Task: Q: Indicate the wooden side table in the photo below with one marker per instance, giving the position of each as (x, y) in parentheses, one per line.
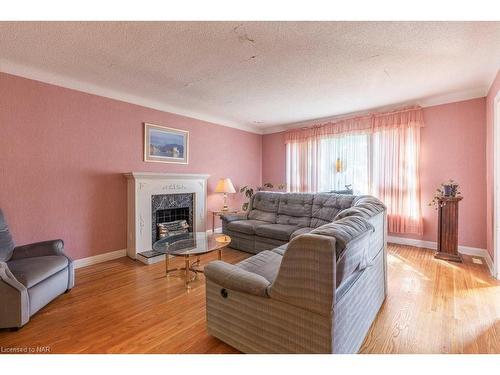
(448, 229)
(219, 214)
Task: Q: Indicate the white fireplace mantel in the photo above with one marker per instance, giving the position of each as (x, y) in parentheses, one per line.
(141, 186)
(164, 176)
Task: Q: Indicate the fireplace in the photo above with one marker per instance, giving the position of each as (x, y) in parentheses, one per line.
(166, 208)
(161, 197)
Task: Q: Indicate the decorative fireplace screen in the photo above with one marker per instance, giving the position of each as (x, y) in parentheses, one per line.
(171, 214)
(172, 221)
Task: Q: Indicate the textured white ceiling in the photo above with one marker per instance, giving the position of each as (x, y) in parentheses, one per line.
(258, 75)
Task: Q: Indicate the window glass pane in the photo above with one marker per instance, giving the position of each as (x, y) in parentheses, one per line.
(342, 161)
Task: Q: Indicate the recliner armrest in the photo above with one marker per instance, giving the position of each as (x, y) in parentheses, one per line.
(39, 249)
(7, 277)
(234, 217)
(14, 300)
(234, 278)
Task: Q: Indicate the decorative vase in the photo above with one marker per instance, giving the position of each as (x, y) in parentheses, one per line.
(449, 190)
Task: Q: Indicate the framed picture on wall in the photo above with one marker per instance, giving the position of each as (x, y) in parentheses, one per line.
(165, 145)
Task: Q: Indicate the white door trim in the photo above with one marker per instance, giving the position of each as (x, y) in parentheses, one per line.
(496, 185)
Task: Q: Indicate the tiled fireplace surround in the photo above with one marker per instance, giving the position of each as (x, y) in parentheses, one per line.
(148, 192)
(174, 202)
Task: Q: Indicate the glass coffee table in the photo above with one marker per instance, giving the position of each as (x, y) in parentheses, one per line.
(190, 245)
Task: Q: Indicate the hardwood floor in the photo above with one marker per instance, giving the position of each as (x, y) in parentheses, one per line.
(122, 306)
(435, 306)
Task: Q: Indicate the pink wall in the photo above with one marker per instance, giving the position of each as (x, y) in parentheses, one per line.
(492, 93)
(63, 152)
(452, 146)
(273, 158)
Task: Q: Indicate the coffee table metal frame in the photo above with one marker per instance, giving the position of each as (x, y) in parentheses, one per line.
(192, 267)
(188, 266)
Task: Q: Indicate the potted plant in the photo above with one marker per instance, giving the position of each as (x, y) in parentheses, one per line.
(447, 189)
(249, 191)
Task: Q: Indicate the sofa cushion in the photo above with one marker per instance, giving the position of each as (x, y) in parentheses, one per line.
(6, 242)
(241, 241)
(268, 217)
(244, 226)
(280, 249)
(344, 230)
(275, 231)
(42, 293)
(364, 206)
(263, 243)
(293, 220)
(326, 206)
(295, 209)
(300, 231)
(266, 264)
(31, 271)
(233, 217)
(264, 206)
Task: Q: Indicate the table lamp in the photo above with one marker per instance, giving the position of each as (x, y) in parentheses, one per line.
(225, 186)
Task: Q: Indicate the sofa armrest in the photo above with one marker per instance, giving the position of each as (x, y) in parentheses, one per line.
(39, 249)
(234, 278)
(14, 301)
(234, 217)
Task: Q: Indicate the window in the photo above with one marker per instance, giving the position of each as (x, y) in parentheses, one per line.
(343, 160)
(376, 154)
(330, 163)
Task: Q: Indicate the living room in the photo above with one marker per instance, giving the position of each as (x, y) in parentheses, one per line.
(252, 186)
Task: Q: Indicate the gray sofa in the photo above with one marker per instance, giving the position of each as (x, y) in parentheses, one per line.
(30, 277)
(316, 283)
(273, 219)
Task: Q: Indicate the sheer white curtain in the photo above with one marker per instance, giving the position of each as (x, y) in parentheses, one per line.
(312, 164)
(396, 177)
(302, 166)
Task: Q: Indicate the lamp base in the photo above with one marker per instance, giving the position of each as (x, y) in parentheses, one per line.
(225, 207)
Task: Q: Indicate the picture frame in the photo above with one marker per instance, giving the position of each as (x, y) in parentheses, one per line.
(163, 144)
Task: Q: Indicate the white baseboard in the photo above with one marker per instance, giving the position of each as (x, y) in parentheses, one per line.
(467, 250)
(84, 262)
(216, 230)
(412, 242)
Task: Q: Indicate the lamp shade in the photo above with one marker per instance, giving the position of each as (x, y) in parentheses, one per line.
(225, 186)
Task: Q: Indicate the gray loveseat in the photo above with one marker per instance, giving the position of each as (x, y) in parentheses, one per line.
(316, 283)
(30, 277)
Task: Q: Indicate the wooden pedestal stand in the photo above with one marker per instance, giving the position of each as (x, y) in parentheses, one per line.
(447, 246)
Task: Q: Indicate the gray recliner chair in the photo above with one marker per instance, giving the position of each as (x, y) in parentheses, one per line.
(30, 277)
